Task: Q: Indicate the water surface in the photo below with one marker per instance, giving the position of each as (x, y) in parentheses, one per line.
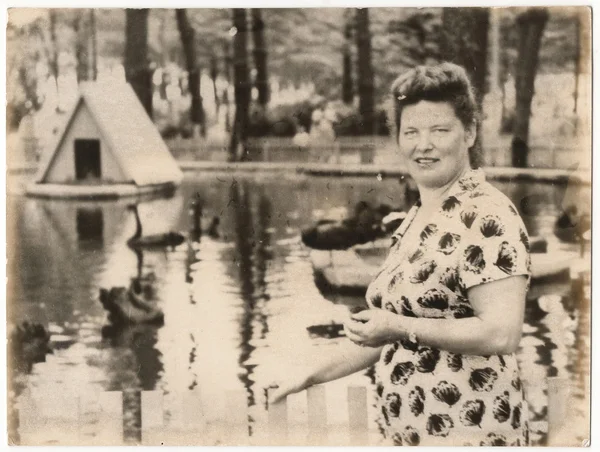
(235, 306)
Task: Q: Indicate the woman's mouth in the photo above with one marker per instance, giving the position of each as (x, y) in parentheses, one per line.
(426, 160)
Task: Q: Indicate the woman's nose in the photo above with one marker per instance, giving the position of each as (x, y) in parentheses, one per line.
(424, 142)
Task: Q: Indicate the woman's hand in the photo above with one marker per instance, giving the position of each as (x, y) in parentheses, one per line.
(291, 384)
(374, 327)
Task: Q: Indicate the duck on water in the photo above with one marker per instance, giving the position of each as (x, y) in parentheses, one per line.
(367, 224)
(127, 306)
(573, 226)
(196, 209)
(138, 240)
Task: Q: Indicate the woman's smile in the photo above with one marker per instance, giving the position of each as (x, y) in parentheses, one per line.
(426, 162)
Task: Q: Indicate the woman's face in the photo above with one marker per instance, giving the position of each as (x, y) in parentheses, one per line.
(434, 143)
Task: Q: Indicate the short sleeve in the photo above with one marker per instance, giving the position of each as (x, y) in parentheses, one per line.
(494, 247)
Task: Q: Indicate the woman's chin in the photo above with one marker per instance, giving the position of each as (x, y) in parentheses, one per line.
(428, 177)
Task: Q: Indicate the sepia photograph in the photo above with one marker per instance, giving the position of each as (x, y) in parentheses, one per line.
(299, 226)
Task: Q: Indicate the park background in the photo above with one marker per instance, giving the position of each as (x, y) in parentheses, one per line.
(228, 91)
(194, 69)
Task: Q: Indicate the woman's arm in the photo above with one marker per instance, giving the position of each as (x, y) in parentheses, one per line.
(346, 359)
(495, 329)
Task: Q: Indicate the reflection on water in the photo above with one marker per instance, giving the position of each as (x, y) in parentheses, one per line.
(90, 227)
(234, 305)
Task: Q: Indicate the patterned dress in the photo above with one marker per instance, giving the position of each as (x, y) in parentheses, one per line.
(429, 396)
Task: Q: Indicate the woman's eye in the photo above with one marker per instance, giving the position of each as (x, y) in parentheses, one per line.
(409, 133)
(440, 130)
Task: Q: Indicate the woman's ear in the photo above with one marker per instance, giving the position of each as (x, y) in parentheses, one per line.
(471, 134)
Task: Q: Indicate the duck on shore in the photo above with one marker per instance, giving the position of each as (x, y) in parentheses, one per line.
(167, 239)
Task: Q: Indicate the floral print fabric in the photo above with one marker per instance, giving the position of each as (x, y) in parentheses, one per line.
(428, 396)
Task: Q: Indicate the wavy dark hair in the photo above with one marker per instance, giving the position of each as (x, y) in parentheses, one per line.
(445, 82)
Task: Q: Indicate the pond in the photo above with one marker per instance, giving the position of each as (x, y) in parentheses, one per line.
(235, 305)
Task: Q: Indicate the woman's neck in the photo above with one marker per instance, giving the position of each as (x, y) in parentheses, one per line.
(431, 198)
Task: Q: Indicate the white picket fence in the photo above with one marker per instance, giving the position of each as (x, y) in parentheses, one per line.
(55, 419)
(52, 420)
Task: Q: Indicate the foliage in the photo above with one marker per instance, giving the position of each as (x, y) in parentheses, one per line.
(349, 122)
(303, 45)
(283, 120)
(416, 37)
(558, 50)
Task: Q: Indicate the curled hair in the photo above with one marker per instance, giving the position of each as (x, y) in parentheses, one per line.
(445, 82)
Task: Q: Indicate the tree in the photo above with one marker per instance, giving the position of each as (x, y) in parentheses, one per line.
(214, 73)
(26, 48)
(417, 37)
(53, 54)
(188, 36)
(137, 70)
(530, 26)
(260, 57)
(582, 60)
(241, 83)
(94, 38)
(464, 41)
(228, 63)
(347, 82)
(366, 83)
(80, 27)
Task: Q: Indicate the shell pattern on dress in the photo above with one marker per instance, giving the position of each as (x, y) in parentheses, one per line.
(429, 396)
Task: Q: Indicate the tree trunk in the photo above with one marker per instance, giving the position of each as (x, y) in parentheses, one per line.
(583, 60)
(227, 74)
(366, 84)
(495, 20)
(530, 25)
(94, 39)
(162, 38)
(347, 83)
(81, 43)
(187, 34)
(53, 60)
(465, 42)
(137, 70)
(241, 81)
(506, 116)
(260, 57)
(214, 73)
(163, 58)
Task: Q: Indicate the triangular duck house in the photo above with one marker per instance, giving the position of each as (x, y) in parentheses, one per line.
(109, 147)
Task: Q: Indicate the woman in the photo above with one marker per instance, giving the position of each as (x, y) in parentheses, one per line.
(446, 309)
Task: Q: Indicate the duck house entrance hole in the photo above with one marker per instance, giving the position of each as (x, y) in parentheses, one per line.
(87, 159)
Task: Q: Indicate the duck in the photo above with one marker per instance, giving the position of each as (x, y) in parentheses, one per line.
(212, 230)
(127, 306)
(168, 239)
(329, 331)
(573, 226)
(28, 345)
(364, 226)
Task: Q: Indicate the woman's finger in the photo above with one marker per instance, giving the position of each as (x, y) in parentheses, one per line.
(354, 337)
(362, 316)
(276, 396)
(354, 327)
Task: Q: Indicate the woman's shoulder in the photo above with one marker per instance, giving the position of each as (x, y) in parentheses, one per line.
(486, 198)
(487, 210)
